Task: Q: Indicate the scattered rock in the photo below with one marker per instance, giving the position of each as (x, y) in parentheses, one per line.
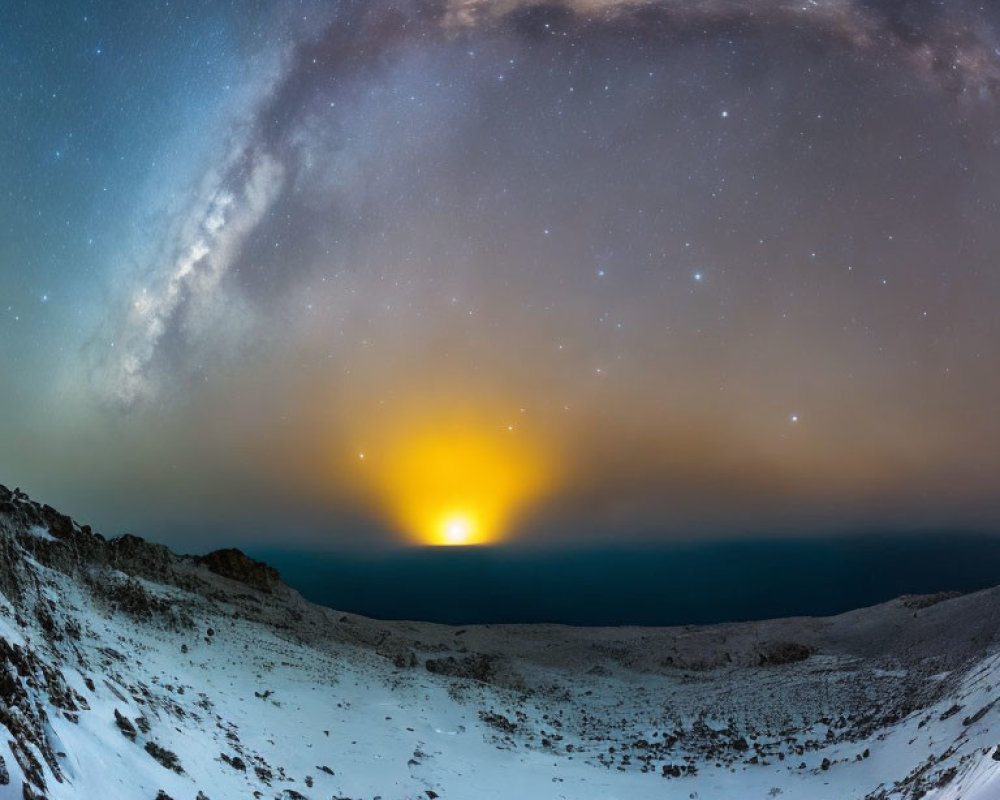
(127, 728)
(778, 653)
(166, 758)
(479, 667)
(498, 721)
(234, 761)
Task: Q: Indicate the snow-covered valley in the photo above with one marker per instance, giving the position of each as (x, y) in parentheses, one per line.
(130, 672)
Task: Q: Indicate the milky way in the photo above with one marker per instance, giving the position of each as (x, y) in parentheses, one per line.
(729, 265)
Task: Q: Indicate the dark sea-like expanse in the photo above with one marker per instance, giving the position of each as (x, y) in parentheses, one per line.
(641, 585)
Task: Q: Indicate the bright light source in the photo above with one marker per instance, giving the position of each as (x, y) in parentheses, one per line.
(456, 483)
(457, 529)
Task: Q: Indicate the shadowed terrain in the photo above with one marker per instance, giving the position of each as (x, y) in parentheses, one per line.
(129, 671)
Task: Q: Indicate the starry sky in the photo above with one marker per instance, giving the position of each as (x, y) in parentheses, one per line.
(670, 268)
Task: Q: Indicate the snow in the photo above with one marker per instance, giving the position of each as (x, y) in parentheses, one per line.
(41, 533)
(286, 699)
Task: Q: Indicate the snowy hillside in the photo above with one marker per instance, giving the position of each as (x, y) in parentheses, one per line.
(129, 672)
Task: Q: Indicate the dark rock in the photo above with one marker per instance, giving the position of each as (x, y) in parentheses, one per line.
(236, 565)
(135, 556)
(235, 762)
(777, 653)
(479, 667)
(498, 721)
(27, 793)
(30, 766)
(127, 728)
(920, 601)
(59, 525)
(131, 597)
(978, 715)
(400, 656)
(165, 757)
(946, 777)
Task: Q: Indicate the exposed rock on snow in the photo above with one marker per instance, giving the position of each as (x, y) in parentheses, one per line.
(129, 672)
(232, 563)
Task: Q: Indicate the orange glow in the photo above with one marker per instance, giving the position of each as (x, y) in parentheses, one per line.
(455, 483)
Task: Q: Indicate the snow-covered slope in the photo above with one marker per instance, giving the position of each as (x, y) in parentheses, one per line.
(129, 672)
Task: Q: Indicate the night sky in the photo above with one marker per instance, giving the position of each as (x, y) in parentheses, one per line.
(381, 272)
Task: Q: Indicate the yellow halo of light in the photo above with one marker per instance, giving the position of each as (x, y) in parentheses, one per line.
(455, 484)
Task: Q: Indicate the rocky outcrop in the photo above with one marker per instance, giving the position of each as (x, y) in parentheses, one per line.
(74, 550)
(136, 556)
(31, 687)
(236, 565)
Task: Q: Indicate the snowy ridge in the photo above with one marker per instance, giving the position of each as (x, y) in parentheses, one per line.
(129, 672)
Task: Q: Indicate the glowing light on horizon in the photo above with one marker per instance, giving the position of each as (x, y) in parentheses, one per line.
(451, 484)
(457, 529)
